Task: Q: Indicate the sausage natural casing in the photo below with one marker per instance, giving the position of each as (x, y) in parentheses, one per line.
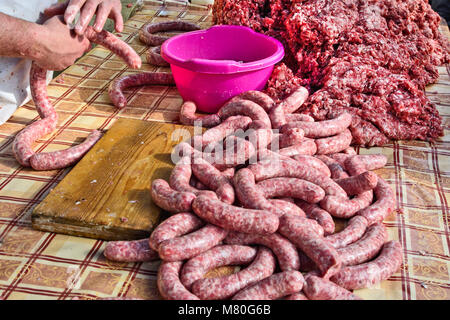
(321, 289)
(222, 255)
(283, 249)
(322, 129)
(274, 287)
(367, 274)
(171, 200)
(169, 284)
(191, 244)
(148, 36)
(292, 188)
(188, 116)
(226, 286)
(354, 230)
(174, 226)
(383, 206)
(235, 218)
(130, 251)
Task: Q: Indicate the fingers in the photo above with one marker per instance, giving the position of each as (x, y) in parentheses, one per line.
(56, 9)
(116, 15)
(86, 15)
(102, 14)
(73, 8)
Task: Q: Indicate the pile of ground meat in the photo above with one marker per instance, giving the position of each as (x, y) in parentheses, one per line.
(372, 58)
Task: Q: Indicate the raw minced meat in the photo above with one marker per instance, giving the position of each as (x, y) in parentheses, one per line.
(372, 58)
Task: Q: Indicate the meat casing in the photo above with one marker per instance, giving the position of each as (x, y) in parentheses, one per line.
(367, 274)
(191, 244)
(171, 200)
(245, 108)
(225, 287)
(147, 33)
(188, 116)
(359, 183)
(300, 231)
(283, 249)
(353, 231)
(322, 129)
(130, 251)
(274, 287)
(321, 289)
(335, 143)
(169, 284)
(222, 255)
(174, 226)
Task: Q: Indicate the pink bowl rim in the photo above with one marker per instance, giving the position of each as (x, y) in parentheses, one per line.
(223, 66)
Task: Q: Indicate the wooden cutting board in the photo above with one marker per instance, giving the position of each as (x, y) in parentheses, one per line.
(107, 194)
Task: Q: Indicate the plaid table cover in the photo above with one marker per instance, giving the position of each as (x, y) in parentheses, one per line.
(40, 265)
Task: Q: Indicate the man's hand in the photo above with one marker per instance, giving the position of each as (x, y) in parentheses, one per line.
(57, 46)
(103, 9)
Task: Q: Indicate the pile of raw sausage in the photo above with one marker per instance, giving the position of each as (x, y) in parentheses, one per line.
(22, 144)
(260, 189)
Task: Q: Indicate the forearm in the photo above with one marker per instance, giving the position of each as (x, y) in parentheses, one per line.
(19, 38)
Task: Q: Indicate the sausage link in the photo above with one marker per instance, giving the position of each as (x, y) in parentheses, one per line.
(289, 105)
(226, 286)
(295, 169)
(291, 187)
(321, 129)
(292, 117)
(115, 45)
(191, 244)
(336, 170)
(291, 137)
(352, 232)
(235, 218)
(340, 207)
(335, 143)
(283, 249)
(168, 199)
(321, 289)
(188, 116)
(314, 162)
(222, 255)
(383, 206)
(147, 33)
(358, 184)
(181, 175)
(248, 194)
(237, 151)
(260, 138)
(274, 287)
(358, 164)
(169, 284)
(154, 57)
(213, 179)
(64, 158)
(177, 225)
(283, 207)
(302, 232)
(219, 132)
(370, 273)
(130, 251)
(116, 87)
(323, 218)
(307, 147)
(245, 108)
(258, 97)
(365, 248)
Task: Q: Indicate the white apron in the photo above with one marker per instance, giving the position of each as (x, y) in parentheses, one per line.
(15, 72)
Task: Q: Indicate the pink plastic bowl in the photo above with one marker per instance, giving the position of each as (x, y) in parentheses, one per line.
(212, 66)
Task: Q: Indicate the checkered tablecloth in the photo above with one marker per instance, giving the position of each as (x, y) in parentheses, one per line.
(39, 265)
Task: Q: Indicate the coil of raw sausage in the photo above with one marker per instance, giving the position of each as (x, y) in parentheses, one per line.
(289, 105)
(321, 129)
(181, 175)
(306, 147)
(302, 232)
(154, 57)
(354, 230)
(225, 287)
(359, 183)
(147, 33)
(274, 287)
(365, 248)
(335, 143)
(188, 116)
(191, 244)
(258, 97)
(283, 207)
(358, 164)
(171, 200)
(244, 108)
(177, 225)
(367, 274)
(317, 288)
(222, 255)
(292, 117)
(235, 218)
(323, 218)
(169, 284)
(291, 137)
(341, 207)
(292, 188)
(315, 162)
(130, 251)
(116, 87)
(336, 170)
(283, 249)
